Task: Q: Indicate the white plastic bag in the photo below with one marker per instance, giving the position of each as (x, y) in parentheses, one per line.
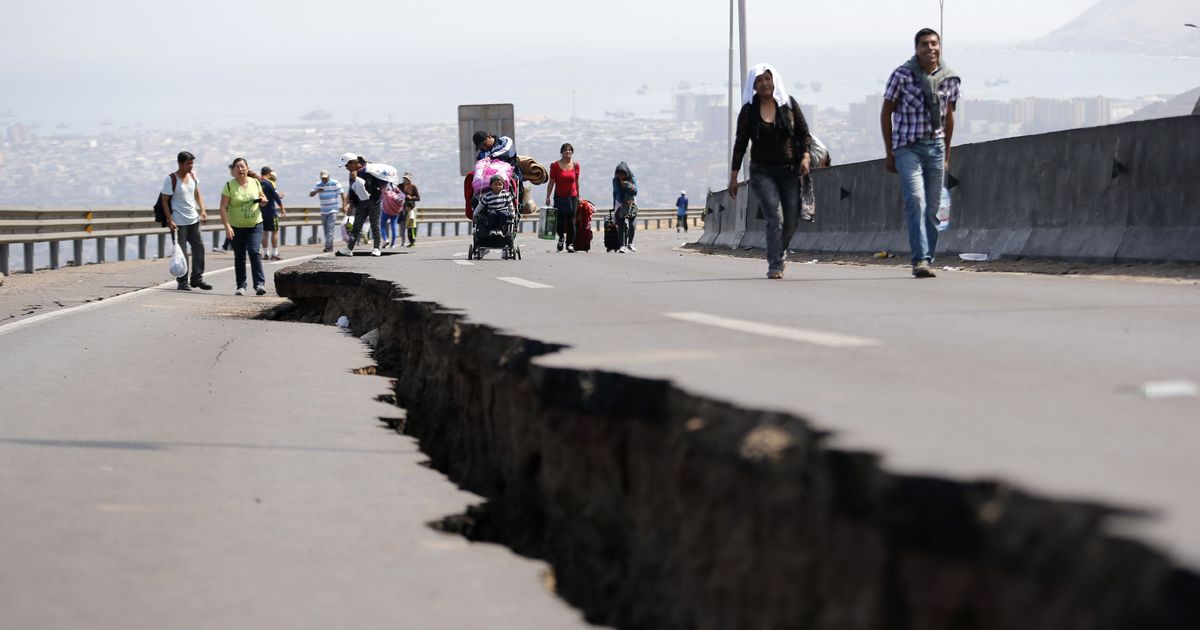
(179, 262)
(943, 213)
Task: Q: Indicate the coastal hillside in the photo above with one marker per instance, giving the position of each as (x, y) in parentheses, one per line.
(1149, 27)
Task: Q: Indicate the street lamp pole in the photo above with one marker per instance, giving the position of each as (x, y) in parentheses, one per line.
(942, 21)
(729, 116)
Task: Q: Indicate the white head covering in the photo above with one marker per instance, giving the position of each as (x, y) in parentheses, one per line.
(781, 95)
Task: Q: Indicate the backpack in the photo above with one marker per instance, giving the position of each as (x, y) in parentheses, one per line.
(393, 201)
(160, 213)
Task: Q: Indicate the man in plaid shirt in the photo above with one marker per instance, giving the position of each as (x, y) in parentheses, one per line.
(918, 123)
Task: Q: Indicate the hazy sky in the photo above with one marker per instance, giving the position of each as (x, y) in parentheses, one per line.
(215, 63)
(124, 30)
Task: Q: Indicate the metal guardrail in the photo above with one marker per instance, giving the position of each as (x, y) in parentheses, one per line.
(27, 227)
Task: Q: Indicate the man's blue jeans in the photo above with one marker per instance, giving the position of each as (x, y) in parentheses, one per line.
(922, 168)
(329, 223)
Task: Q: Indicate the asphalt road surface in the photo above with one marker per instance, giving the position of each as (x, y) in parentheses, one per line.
(165, 461)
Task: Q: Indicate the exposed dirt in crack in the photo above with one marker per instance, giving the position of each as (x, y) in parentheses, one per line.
(658, 508)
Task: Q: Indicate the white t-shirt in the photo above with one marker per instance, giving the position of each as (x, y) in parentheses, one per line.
(184, 210)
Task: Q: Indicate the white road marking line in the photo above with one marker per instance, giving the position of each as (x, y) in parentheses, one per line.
(1156, 390)
(459, 254)
(815, 337)
(37, 319)
(528, 284)
(465, 263)
(294, 260)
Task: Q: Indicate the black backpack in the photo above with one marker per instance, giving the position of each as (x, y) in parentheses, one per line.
(160, 213)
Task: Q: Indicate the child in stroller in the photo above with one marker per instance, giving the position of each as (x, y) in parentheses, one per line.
(495, 221)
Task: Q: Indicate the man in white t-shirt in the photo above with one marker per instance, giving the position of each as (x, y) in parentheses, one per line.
(332, 198)
(181, 193)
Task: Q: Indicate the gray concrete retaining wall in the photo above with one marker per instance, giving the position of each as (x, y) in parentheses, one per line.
(1126, 192)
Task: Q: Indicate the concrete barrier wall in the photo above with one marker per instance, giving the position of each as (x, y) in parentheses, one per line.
(1127, 192)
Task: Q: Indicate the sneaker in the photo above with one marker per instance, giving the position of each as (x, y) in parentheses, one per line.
(345, 252)
(631, 247)
(570, 249)
(775, 275)
(202, 285)
(275, 257)
(412, 244)
(326, 250)
(182, 286)
(620, 250)
(240, 291)
(260, 290)
(922, 270)
(376, 252)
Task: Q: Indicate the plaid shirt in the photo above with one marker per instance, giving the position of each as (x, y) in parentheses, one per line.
(910, 120)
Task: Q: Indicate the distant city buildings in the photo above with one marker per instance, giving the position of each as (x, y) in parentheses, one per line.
(688, 151)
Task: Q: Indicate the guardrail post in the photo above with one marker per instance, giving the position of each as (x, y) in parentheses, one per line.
(312, 240)
(4, 259)
(282, 236)
(28, 247)
(456, 227)
(216, 239)
(142, 246)
(100, 253)
(162, 245)
(77, 252)
(54, 262)
(121, 248)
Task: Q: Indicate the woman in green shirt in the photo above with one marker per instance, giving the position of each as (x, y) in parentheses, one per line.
(241, 211)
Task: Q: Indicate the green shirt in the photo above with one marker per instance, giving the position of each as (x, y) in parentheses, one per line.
(244, 211)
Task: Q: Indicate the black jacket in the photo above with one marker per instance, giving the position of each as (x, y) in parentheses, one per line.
(780, 144)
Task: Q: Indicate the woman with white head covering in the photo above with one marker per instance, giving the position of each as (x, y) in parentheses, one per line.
(779, 157)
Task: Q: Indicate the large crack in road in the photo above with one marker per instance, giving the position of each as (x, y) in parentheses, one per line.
(658, 508)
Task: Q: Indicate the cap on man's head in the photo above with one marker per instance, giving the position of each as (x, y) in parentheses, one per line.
(324, 173)
(347, 158)
(682, 192)
(265, 170)
(408, 176)
(479, 137)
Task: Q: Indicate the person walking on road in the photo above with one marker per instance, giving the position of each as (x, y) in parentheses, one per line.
(411, 196)
(242, 200)
(917, 121)
(625, 208)
(779, 158)
(332, 198)
(564, 180)
(271, 213)
(681, 208)
(366, 195)
(181, 194)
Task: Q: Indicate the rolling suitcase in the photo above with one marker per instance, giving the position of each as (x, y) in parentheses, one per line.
(612, 238)
(583, 226)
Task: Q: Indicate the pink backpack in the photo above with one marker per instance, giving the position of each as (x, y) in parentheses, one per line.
(393, 201)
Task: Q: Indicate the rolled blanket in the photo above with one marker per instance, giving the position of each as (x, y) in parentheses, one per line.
(532, 171)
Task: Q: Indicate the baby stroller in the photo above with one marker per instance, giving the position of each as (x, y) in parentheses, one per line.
(495, 236)
(485, 237)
